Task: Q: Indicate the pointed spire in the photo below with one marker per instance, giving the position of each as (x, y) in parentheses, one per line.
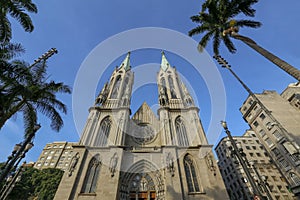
(126, 63)
(164, 62)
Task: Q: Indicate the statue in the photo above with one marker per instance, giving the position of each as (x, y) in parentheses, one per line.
(170, 164)
(73, 163)
(102, 96)
(162, 96)
(113, 164)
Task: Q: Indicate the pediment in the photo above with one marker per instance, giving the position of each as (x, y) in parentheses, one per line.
(144, 115)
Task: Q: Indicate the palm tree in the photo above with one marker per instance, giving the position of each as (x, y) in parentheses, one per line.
(31, 93)
(217, 21)
(25, 88)
(16, 9)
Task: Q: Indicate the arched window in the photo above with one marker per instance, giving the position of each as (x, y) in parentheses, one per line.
(91, 177)
(295, 178)
(102, 136)
(172, 88)
(116, 88)
(163, 82)
(190, 173)
(181, 132)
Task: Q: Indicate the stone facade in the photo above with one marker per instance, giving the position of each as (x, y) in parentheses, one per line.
(144, 156)
(235, 179)
(276, 122)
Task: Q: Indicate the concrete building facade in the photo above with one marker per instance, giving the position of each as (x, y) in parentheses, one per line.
(56, 155)
(276, 122)
(143, 156)
(235, 179)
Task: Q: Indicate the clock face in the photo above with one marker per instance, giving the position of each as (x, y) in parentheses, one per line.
(143, 134)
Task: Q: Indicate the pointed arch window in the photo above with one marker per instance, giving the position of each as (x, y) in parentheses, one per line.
(92, 174)
(104, 130)
(116, 88)
(295, 178)
(163, 82)
(172, 88)
(181, 132)
(190, 173)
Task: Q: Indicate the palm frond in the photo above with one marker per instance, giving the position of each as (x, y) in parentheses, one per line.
(50, 112)
(228, 43)
(28, 5)
(5, 29)
(204, 40)
(248, 23)
(10, 50)
(29, 118)
(216, 43)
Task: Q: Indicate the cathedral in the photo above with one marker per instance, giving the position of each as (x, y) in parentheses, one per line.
(144, 156)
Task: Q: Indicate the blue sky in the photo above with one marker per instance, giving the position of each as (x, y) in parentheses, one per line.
(76, 27)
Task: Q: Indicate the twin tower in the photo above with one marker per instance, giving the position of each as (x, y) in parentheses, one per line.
(143, 157)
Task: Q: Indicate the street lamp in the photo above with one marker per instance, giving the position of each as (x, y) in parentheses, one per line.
(26, 145)
(11, 182)
(262, 180)
(237, 151)
(15, 150)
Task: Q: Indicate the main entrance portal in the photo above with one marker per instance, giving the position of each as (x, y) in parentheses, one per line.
(149, 195)
(142, 181)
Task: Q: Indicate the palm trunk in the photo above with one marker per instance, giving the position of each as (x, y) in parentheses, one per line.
(10, 113)
(291, 70)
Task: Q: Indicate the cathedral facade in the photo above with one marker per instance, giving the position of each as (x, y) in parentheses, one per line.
(143, 156)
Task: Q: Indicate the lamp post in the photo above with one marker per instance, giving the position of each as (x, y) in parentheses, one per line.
(237, 152)
(14, 151)
(11, 182)
(262, 180)
(274, 121)
(26, 145)
(225, 64)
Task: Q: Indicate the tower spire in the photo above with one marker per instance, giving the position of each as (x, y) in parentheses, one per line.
(126, 63)
(164, 62)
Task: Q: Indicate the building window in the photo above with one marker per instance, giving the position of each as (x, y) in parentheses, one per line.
(295, 178)
(250, 102)
(262, 116)
(255, 123)
(258, 154)
(275, 152)
(191, 176)
(277, 135)
(92, 174)
(269, 125)
(116, 88)
(284, 164)
(102, 136)
(269, 142)
(172, 88)
(181, 132)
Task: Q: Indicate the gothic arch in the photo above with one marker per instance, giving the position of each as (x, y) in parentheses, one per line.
(92, 175)
(103, 132)
(181, 133)
(141, 176)
(191, 174)
(172, 87)
(116, 88)
(295, 178)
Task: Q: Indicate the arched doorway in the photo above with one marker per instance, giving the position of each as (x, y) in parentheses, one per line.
(142, 181)
(142, 187)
